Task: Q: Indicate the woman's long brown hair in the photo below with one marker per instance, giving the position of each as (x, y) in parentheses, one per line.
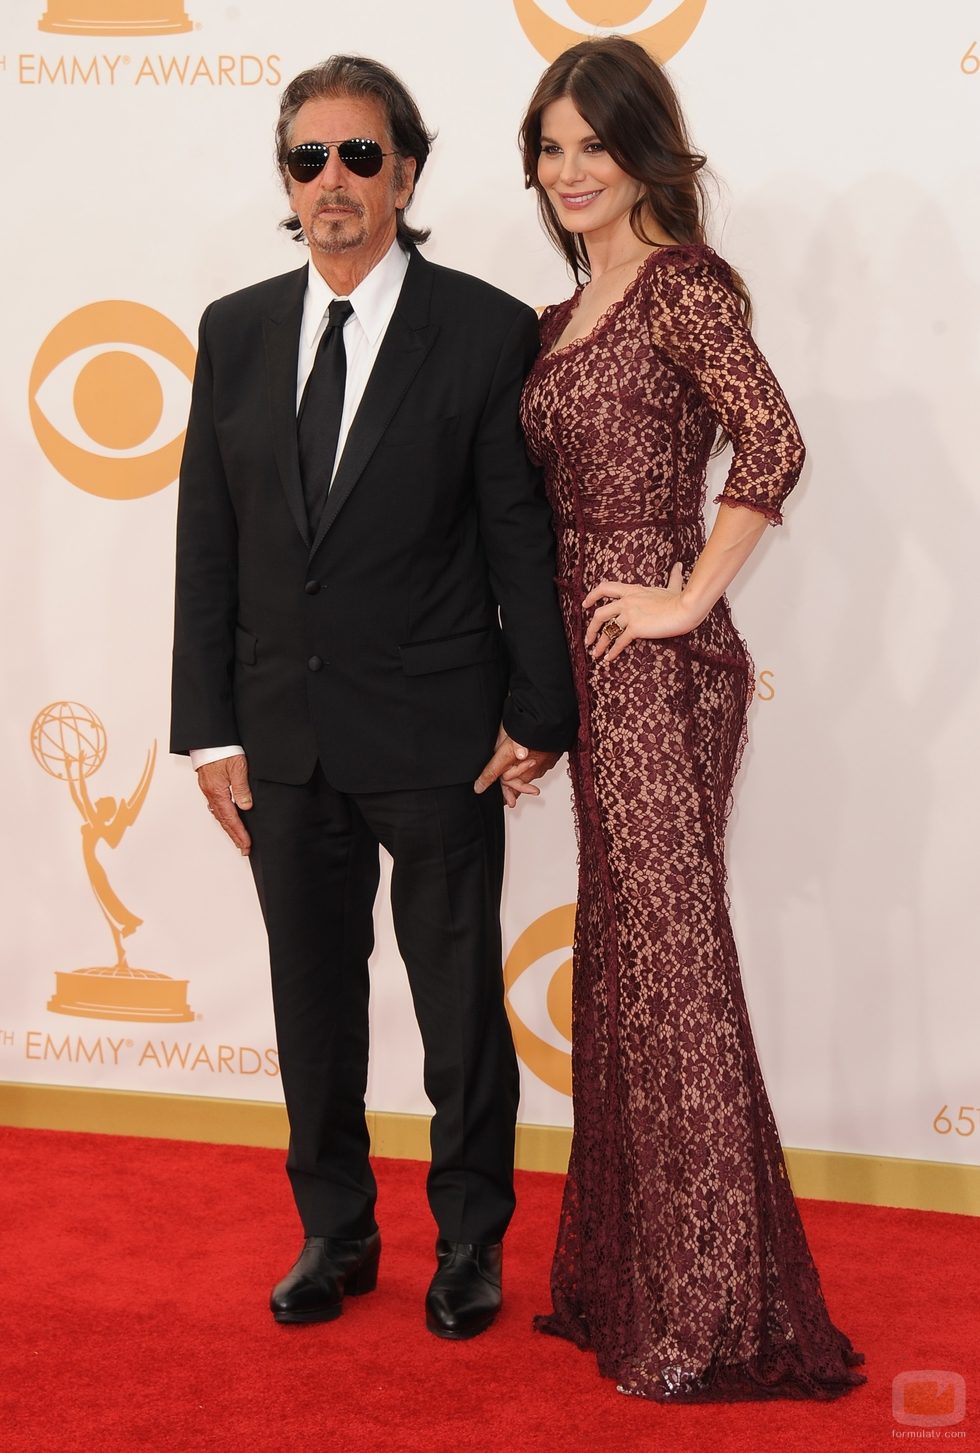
(625, 96)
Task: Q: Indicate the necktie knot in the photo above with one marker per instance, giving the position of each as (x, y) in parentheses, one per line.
(338, 312)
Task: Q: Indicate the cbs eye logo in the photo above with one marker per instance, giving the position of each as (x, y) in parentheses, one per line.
(108, 398)
(663, 38)
(538, 987)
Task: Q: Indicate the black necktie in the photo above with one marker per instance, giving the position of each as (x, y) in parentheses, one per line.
(320, 413)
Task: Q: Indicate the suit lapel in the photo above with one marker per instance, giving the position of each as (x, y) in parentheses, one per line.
(408, 339)
(281, 330)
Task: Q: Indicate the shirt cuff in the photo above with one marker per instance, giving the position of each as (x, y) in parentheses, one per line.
(200, 756)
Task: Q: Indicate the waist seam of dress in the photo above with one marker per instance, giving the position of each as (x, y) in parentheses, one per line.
(599, 527)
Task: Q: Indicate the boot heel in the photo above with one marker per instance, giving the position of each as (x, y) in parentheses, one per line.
(365, 1278)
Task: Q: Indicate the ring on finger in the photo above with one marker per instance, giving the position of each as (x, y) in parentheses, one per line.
(613, 629)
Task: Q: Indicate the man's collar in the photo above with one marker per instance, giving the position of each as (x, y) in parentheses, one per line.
(373, 299)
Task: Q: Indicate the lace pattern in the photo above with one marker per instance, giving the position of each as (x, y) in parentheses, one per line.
(681, 1259)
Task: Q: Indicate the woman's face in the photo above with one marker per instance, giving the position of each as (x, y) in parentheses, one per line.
(590, 193)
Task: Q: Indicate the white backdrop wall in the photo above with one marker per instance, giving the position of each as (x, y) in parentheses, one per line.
(137, 170)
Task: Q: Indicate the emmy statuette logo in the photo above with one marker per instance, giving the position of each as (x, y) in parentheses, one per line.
(547, 937)
(663, 38)
(112, 371)
(69, 742)
(115, 17)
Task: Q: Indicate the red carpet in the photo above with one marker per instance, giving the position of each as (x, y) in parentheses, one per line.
(134, 1317)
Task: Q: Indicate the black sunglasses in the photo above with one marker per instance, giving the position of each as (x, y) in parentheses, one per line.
(359, 155)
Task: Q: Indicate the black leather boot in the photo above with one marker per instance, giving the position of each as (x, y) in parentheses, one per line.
(464, 1295)
(328, 1269)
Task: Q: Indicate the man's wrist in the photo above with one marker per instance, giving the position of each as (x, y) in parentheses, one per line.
(201, 756)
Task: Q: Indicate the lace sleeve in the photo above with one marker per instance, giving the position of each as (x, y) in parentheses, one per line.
(697, 321)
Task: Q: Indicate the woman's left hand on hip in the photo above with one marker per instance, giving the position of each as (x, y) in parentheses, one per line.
(634, 612)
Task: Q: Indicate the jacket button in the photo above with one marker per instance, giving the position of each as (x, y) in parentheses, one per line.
(312, 587)
(314, 663)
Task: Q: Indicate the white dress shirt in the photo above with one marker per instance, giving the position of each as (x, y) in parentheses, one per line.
(373, 301)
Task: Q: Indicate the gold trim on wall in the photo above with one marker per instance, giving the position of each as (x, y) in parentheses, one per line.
(870, 1180)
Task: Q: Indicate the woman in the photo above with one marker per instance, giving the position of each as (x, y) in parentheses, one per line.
(681, 1258)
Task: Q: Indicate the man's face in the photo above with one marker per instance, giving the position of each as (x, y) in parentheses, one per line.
(341, 212)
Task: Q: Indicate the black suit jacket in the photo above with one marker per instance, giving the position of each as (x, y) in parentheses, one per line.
(378, 645)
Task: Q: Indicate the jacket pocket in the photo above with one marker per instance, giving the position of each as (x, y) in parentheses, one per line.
(419, 658)
(245, 646)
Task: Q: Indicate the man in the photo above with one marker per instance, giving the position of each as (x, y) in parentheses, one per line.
(366, 622)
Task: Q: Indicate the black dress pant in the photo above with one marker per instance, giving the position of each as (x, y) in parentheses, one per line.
(315, 861)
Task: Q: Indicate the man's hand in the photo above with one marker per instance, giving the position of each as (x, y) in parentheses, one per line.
(225, 785)
(516, 767)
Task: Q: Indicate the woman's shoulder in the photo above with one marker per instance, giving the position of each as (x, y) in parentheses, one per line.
(551, 310)
(551, 319)
(688, 277)
(684, 264)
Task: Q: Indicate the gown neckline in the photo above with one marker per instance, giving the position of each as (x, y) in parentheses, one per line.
(570, 304)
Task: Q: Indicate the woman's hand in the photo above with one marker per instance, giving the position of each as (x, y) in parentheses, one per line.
(643, 613)
(649, 613)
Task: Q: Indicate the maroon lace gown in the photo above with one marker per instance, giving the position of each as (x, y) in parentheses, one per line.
(681, 1259)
